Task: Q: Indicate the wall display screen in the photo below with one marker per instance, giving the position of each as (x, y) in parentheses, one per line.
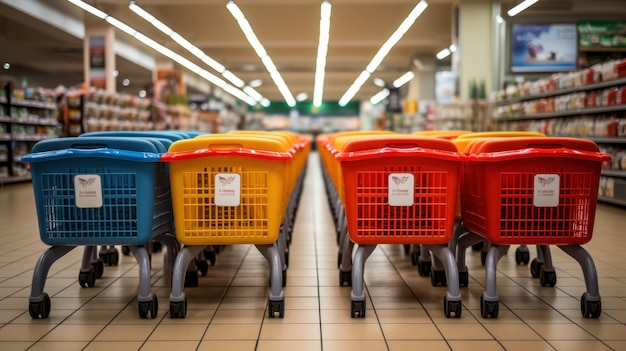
(543, 47)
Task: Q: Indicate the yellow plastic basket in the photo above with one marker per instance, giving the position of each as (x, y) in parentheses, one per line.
(228, 189)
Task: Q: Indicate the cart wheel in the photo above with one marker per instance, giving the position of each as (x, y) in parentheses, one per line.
(547, 278)
(590, 309)
(178, 309)
(438, 278)
(191, 279)
(407, 249)
(114, 258)
(463, 279)
(488, 308)
(357, 309)
(98, 267)
(345, 278)
(535, 267)
(274, 307)
(87, 279)
(203, 267)
(450, 307)
(105, 257)
(149, 308)
(211, 256)
(414, 256)
(423, 268)
(40, 309)
(125, 250)
(522, 257)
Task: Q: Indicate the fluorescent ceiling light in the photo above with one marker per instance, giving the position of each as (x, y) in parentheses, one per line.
(255, 83)
(379, 82)
(238, 82)
(322, 50)
(443, 54)
(384, 50)
(260, 51)
(521, 7)
(405, 78)
(167, 52)
(402, 80)
(302, 96)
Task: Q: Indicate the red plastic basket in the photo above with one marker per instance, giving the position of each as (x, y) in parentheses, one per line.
(379, 175)
(542, 191)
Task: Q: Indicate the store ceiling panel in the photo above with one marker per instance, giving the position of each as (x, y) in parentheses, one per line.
(288, 29)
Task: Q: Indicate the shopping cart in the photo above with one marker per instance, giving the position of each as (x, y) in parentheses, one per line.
(399, 189)
(533, 191)
(230, 189)
(99, 191)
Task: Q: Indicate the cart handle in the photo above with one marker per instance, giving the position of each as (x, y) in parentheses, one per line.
(233, 152)
(533, 152)
(509, 144)
(414, 151)
(94, 152)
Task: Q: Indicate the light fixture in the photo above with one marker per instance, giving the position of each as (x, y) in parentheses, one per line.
(379, 82)
(383, 51)
(446, 52)
(6, 65)
(167, 52)
(400, 81)
(238, 82)
(302, 96)
(126, 82)
(521, 7)
(322, 50)
(255, 83)
(260, 51)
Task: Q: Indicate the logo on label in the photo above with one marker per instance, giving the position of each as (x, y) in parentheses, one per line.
(85, 182)
(400, 190)
(545, 181)
(226, 180)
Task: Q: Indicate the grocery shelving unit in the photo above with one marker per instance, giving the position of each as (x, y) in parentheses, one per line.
(510, 115)
(24, 122)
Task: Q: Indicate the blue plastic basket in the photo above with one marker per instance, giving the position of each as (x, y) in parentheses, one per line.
(133, 200)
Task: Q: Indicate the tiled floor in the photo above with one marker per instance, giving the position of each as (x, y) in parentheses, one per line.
(227, 310)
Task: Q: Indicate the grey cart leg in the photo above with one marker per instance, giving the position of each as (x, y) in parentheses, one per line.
(38, 301)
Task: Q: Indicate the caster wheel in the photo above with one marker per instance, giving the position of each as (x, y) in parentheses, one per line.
(191, 279)
(535, 267)
(87, 279)
(178, 309)
(104, 257)
(40, 309)
(274, 307)
(407, 249)
(589, 309)
(114, 258)
(414, 257)
(438, 278)
(423, 268)
(463, 279)
(357, 309)
(149, 308)
(211, 256)
(125, 250)
(450, 307)
(489, 309)
(522, 257)
(203, 267)
(547, 278)
(98, 267)
(345, 278)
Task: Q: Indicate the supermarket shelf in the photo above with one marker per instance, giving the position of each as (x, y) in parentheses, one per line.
(614, 173)
(32, 137)
(15, 179)
(5, 137)
(607, 140)
(587, 87)
(4, 118)
(30, 103)
(612, 200)
(590, 111)
(49, 122)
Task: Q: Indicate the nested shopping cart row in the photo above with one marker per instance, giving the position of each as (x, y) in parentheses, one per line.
(182, 189)
(513, 189)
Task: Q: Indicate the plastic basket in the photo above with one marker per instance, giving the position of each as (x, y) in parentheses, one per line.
(99, 191)
(400, 189)
(538, 191)
(227, 189)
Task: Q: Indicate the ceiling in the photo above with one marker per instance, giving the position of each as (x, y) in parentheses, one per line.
(288, 29)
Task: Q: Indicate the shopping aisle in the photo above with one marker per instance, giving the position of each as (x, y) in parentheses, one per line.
(227, 311)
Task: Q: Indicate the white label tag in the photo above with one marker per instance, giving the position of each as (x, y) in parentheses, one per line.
(546, 190)
(400, 190)
(227, 189)
(88, 189)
